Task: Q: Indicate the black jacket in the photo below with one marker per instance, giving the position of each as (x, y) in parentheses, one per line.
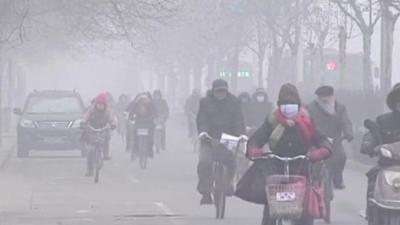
(220, 116)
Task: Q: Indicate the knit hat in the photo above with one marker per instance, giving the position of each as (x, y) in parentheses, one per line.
(289, 95)
(393, 97)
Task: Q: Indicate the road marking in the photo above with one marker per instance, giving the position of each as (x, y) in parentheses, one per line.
(82, 211)
(167, 211)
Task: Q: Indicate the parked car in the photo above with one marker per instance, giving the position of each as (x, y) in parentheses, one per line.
(50, 120)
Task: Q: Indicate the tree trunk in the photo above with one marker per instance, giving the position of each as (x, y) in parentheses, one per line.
(368, 86)
(342, 56)
(387, 34)
(235, 69)
(197, 75)
(260, 76)
(211, 69)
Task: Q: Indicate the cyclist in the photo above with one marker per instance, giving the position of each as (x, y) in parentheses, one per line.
(162, 110)
(143, 113)
(219, 112)
(332, 120)
(98, 117)
(191, 109)
(289, 132)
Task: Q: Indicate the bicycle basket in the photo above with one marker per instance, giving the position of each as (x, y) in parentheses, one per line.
(285, 196)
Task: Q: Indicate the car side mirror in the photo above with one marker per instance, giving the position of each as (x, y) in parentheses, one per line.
(17, 111)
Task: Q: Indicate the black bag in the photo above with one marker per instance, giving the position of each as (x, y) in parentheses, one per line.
(252, 186)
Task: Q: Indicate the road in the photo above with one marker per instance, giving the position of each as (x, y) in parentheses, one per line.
(50, 189)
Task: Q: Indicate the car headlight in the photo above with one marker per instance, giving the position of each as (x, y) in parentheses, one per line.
(386, 153)
(76, 124)
(26, 123)
(392, 178)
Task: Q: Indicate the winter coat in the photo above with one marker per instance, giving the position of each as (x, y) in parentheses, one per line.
(192, 105)
(260, 110)
(220, 116)
(291, 143)
(99, 119)
(162, 108)
(246, 108)
(335, 125)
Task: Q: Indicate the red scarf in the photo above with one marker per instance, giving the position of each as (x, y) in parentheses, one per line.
(304, 122)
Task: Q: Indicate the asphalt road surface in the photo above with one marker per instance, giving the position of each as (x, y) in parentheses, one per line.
(50, 188)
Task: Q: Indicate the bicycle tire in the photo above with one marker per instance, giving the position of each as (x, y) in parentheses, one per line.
(219, 191)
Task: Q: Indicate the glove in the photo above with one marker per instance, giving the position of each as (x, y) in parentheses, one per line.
(243, 138)
(318, 154)
(203, 135)
(349, 137)
(255, 152)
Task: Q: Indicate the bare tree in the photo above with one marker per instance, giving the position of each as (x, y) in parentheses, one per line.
(365, 15)
(390, 14)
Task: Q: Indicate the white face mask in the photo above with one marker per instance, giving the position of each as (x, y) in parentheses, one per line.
(260, 98)
(289, 110)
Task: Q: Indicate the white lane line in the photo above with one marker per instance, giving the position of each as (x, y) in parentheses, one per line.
(82, 211)
(167, 211)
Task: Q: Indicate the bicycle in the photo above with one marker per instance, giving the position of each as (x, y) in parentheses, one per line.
(158, 136)
(142, 143)
(97, 140)
(221, 180)
(286, 193)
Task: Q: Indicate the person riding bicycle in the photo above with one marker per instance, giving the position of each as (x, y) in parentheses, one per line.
(289, 132)
(389, 132)
(331, 118)
(191, 109)
(219, 112)
(261, 107)
(120, 107)
(246, 105)
(162, 109)
(99, 116)
(143, 113)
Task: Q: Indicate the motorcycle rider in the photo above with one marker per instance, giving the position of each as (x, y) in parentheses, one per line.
(162, 109)
(289, 132)
(331, 119)
(191, 110)
(98, 117)
(219, 112)
(143, 113)
(389, 132)
(261, 107)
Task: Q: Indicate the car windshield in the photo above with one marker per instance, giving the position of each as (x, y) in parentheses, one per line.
(53, 105)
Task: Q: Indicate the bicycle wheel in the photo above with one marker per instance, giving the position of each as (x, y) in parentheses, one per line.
(142, 153)
(97, 165)
(219, 191)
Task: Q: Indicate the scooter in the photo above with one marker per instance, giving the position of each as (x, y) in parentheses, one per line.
(384, 206)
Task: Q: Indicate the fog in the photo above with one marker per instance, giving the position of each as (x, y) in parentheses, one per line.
(177, 112)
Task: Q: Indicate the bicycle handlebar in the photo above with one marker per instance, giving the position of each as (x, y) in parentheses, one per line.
(284, 159)
(100, 129)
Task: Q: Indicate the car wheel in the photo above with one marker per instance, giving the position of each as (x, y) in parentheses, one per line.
(22, 151)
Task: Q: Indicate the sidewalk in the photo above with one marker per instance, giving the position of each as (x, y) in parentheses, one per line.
(7, 148)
